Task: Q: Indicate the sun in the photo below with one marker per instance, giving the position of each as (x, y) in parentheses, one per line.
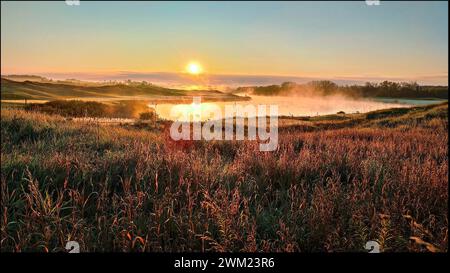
(194, 68)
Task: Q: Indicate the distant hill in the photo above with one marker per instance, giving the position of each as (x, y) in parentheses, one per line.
(22, 78)
(15, 90)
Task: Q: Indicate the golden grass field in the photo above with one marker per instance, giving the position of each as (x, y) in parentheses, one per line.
(333, 184)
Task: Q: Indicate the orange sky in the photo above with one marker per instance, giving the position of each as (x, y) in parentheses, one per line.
(327, 40)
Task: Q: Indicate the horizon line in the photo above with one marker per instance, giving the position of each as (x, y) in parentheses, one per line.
(120, 75)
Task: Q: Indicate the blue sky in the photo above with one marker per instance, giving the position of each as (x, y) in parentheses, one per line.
(305, 39)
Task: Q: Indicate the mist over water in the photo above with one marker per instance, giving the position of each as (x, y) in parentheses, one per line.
(291, 105)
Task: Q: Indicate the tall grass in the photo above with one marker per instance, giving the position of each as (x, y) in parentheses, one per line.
(129, 189)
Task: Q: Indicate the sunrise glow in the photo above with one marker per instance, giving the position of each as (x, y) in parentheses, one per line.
(194, 68)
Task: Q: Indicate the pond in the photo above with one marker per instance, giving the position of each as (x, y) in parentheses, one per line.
(287, 106)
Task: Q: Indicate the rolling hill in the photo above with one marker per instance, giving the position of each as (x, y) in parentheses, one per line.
(14, 90)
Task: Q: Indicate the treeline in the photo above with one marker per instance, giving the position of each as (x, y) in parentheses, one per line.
(384, 89)
(75, 108)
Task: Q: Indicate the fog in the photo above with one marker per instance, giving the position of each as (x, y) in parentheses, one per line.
(287, 106)
(322, 105)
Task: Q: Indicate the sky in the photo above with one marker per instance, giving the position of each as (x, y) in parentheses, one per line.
(329, 40)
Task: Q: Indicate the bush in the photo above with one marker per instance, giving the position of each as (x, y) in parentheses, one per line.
(75, 108)
(147, 116)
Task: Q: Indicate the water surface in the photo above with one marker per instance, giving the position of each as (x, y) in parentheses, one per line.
(287, 106)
